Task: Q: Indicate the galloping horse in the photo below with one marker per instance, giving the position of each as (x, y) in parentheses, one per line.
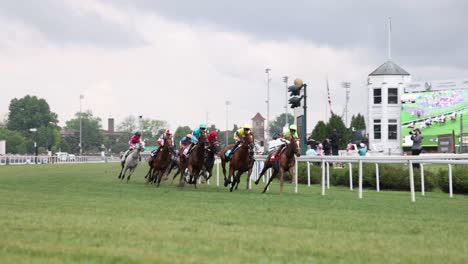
(240, 161)
(210, 159)
(195, 161)
(131, 162)
(160, 164)
(286, 162)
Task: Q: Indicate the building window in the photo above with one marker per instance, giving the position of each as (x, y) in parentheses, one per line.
(392, 95)
(377, 129)
(377, 96)
(392, 129)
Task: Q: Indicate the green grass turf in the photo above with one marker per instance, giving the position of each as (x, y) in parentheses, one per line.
(82, 213)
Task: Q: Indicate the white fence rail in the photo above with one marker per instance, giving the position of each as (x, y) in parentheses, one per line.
(447, 159)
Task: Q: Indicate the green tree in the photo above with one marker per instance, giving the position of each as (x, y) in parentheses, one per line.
(15, 141)
(151, 129)
(29, 112)
(275, 128)
(92, 138)
(320, 131)
(358, 122)
(129, 124)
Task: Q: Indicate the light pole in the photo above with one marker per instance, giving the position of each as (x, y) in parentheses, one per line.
(81, 125)
(140, 126)
(227, 124)
(267, 71)
(285, 80)
(346, 85)
(35, 143)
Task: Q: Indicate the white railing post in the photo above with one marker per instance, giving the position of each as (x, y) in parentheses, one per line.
(350, 176)
(422, 179)
(217, 174)
(377, 177)
(360, 179)
(328, 175)
(411, 178)
(308, 173)
(323, 177)
(450, 180)
(296, 177)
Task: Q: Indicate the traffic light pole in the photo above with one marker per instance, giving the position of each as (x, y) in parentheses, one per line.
(304, 123)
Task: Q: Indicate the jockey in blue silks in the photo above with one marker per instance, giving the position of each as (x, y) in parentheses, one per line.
(196, 134)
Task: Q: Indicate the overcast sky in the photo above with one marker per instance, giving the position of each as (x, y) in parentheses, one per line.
(180, 61)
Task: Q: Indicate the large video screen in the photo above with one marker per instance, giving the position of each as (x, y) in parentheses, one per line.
(434, 113)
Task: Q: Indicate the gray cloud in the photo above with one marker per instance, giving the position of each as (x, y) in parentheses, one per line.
(58, 22)
(424, 32)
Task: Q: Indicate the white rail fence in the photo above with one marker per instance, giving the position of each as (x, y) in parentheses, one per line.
(447, 159)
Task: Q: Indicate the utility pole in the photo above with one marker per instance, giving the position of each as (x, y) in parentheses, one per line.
(81, 129)
(267, 138)
(285, 80)
(346, 85)
(227, 124)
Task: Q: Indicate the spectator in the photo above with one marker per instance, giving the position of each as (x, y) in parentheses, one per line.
(319, 149)
(362, 149)
(335, 142)
(327, 148)
(310, 151)
(416, 148)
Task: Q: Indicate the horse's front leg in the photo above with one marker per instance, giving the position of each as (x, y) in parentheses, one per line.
(223, 165)
(130, 173)
(123, 175)
(159, 177)
(266, 166)
(292, 172)
(275, 172)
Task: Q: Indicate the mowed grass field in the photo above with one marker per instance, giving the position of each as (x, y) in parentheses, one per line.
(82, 213)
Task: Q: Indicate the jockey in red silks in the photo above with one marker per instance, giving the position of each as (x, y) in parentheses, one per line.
(212, 137)
(136, 138)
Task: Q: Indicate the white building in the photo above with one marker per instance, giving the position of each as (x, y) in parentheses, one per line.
(385, 86)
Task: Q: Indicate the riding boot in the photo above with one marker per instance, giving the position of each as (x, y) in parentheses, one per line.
(233, 149)
(187, 153)
(278, 152)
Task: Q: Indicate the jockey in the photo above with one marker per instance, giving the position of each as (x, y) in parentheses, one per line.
(239, 136)
(136, 138)
(196, 134)
(185, 141)
(212, 137)
(166, 134)
(288, 135)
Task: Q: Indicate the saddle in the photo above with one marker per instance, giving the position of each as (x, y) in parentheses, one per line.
(228, 154)
(275, 155)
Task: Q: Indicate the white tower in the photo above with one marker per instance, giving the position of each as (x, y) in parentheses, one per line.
(385, 86)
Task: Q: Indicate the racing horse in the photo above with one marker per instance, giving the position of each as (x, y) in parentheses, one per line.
(212, 150)
(160, 164)
(131, 162)
(286, 162)
(195, 162)
(240, 162)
